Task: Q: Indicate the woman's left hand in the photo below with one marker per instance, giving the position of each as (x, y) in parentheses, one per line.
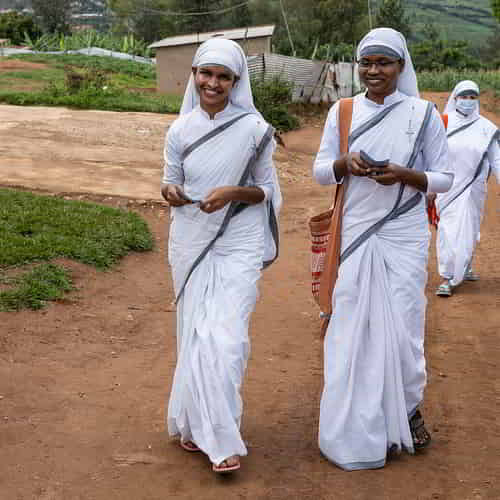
(387, 175)
(216, 199)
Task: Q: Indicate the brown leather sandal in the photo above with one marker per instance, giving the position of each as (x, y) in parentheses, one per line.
(420, 435)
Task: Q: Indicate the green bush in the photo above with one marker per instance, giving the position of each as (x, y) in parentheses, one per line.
(91, 78)
(14, 25)
(272, 98)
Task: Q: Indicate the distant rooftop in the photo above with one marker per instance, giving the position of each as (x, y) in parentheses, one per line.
(235, 34)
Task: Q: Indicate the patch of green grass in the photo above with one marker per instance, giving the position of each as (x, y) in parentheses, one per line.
(36, 228)
(109, 64)
(40, 74)
(114, 100)
(123, 93)
(33, 289)
(7, 84)
(125, 80)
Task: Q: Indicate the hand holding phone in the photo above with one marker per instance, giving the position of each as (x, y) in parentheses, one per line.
(375, 164)
(185, 197)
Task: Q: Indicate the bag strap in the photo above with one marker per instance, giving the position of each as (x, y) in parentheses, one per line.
(444, 117)
(344, 125)
(345, 120)
(332, 256)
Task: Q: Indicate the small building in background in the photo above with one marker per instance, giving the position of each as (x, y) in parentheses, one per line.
(174, 55)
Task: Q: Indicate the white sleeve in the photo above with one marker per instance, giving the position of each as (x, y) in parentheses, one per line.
(262, 172)
(435, 150)
(173, 172)
(494, 156)
(329, 150)
(439, 182)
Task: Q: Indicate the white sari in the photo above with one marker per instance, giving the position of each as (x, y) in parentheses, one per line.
(214, 309)
(474, 150)
(374, 346)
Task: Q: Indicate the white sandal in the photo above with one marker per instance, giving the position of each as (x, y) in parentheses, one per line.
(444, 290)
(471, 276)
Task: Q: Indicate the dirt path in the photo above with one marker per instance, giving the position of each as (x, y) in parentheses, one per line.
(84, 382)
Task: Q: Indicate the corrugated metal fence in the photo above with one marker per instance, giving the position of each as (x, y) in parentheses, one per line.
(313, 81)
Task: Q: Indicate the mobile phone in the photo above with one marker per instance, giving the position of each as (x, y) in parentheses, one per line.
(373, 163)
(184, 196)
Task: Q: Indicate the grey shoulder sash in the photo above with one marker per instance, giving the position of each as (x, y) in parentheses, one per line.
(234, 208)
(477, 172)
(216, 131)
(460, 129)
(397, 209)
(375, 120)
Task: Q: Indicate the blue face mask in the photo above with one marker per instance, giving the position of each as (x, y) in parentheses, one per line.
(467, 106)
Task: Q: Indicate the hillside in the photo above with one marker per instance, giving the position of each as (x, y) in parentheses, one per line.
(470, 20)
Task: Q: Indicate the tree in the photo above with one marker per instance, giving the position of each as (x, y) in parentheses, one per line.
(434, 53)
(13, 25)
(491, 50)
(341, 20)
(240, 17)
(198, 23)
(495, 7)
(146, 19)
(391, 14)
(53, 15)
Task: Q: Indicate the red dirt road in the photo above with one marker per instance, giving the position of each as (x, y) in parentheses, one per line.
(83, 383)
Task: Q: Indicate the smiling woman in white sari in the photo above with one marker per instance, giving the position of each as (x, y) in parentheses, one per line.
(474, 153)
(374, 346)
(222, 188)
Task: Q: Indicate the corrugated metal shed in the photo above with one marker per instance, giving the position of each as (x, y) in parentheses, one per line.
(312, 81)
(234, 34)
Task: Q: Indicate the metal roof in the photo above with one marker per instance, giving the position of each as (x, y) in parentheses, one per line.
(235, 34)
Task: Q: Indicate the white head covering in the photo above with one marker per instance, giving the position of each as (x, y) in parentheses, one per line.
(392, 43)
(222, 52)
(464, 86)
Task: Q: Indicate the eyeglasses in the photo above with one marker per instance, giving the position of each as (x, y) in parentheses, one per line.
(365, 64)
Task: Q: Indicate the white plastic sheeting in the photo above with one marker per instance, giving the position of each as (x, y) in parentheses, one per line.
(89, 51)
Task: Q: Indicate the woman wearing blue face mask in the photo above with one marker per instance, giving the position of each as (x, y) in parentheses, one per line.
(474, 153)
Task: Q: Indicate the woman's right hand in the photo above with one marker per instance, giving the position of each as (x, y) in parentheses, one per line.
(356, 165)
(173, 193)
(351, 163)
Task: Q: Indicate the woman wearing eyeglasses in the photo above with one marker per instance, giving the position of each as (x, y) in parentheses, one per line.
(374, 346)
(474, 154)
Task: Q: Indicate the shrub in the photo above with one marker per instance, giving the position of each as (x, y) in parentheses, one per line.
(272, 98)
(91, 79)
(14, 25)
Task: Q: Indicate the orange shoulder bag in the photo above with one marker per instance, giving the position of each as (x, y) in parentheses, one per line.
(326, 231)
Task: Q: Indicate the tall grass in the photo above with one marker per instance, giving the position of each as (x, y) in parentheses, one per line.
(444, 81)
